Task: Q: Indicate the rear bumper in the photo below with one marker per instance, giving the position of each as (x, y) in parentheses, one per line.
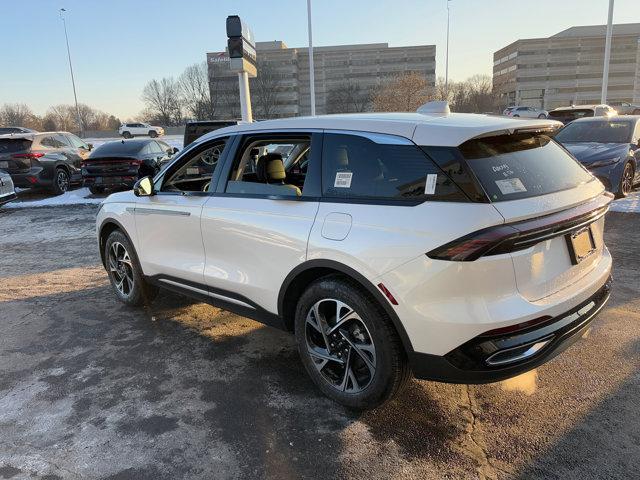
(38, 177)
(475, 361)
(109, 181)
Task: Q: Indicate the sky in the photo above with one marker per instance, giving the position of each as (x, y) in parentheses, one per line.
(119, 45)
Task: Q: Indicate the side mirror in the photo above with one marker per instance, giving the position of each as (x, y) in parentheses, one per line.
(175, 150)
(90, 146)
(143, 187)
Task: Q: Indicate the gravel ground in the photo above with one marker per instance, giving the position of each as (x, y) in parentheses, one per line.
(92, 389)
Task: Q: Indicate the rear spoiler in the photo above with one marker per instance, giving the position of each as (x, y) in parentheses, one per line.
(550, 128)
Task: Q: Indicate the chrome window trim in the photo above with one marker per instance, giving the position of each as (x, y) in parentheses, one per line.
(379, 138)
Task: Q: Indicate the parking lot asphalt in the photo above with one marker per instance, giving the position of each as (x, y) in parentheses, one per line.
(90, 388)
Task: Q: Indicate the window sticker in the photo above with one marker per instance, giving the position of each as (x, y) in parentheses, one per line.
(510, 185)
(430, 184)
(193, 171)
(343, 180)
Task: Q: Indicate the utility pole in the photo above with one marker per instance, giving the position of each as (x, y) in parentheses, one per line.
(446, 62)
(607, 55)
(312, 81)
(73, 82)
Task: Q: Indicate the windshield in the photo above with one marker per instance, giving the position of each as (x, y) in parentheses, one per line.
(598, 132)
(511, 167)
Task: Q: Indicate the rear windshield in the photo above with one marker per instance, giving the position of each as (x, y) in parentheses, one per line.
(510, 167)
(599, 132)
(118, 148)
(571, 114)
(11, 145)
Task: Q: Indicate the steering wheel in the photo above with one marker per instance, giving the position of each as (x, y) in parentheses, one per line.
(206, 186)
(211, 156)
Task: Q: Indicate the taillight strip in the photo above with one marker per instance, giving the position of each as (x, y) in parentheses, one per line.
(516, 236)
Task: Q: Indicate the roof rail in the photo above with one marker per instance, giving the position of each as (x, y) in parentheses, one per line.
(437, 107)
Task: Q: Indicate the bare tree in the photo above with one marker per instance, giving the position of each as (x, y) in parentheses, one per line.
(162, 98)
(194, 91)
(405, 93)
(17, 114)
(265, 88)
(348, 97)
(64, 117)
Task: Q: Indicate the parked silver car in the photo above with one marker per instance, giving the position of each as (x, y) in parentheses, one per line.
(7, 190)
(625, 108)
(525, 112)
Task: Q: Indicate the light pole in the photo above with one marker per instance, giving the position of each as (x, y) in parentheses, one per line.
(446, 61)
(73, 82)
(312, 82)
(607, 55)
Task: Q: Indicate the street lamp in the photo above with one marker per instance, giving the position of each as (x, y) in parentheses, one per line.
(73, 82)
(607, 55)
(446, 62)
(312, 83)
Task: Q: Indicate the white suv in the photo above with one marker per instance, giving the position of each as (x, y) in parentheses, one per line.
(458, 247)
(129, 130)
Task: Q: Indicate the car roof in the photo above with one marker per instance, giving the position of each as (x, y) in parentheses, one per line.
(616, 118)
(578, 107)
(439, 129)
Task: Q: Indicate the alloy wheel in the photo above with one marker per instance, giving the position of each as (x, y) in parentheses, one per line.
(62, 180)
(626, 185)
(121, 268)
(340, 345)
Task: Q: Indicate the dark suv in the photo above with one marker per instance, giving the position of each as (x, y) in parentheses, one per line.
(48, 159)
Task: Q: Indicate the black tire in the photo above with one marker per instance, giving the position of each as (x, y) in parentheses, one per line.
(96, 190)
(516, 115)
(153, 133)
(127, 134)
(626, 181)
(370, 330)
(542, 115)
(135, 290)
(61, 181)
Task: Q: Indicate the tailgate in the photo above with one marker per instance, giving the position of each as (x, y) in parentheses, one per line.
(9, 149)
(560, 255)
(104, 167)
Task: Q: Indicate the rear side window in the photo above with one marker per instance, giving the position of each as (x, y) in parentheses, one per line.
(389, 168)
(54, 141)
(511, 167)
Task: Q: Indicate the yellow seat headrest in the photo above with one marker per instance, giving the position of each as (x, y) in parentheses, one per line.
(275, 169)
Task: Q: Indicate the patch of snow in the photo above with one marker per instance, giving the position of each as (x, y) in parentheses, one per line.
(72, 197)
(631, 204)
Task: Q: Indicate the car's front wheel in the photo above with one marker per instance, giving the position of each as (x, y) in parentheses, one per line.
(126, 134)
(348, 344)
(542, 115)
(96, 190)
(626, 181)
(124, 271)
(153, 133)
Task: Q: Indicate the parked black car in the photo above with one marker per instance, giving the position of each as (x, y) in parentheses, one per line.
(118, 165)
(48, 159)
(5, 130)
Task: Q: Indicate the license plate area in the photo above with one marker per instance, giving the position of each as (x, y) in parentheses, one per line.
(581, 244)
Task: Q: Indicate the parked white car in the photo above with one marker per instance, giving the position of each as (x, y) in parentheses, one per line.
(525, 112)
(7, 190)
(574, 112)
(458, 247)
(625, 108)
(129, 130)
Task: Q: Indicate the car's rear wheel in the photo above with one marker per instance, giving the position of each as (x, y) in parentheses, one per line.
(153, 133)
(348, 344)
(542, 115)
(126, 134)
(626, 181)
(60, 181)
(96, 190)
(516, 115)
(125, 273)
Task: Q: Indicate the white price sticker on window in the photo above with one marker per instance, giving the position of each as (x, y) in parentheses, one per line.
(430, 184)
(193, 171)
(510, 185)
(343, 180)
